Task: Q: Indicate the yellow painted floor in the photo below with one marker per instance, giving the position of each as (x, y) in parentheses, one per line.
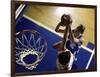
(50, 17)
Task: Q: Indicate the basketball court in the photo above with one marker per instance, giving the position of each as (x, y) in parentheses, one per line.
(28, 19)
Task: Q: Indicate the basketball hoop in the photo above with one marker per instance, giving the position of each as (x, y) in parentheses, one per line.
(31, 47)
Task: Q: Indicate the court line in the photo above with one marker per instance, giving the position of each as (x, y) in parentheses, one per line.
(89, 50)
(40, 24)
(18, 11)
(88, 64)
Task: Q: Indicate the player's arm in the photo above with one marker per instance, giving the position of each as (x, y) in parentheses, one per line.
(78, 41)
(58, 28)
(81, 40)
(71, 36)
(71, 61)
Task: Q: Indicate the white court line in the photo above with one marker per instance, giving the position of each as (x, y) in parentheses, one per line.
(88, 64)
(18, 11)
(89, 50)
(40, 24)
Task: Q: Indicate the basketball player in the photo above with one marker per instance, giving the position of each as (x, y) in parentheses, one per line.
(65, 60)
(65, 22)
(65, 57)
(75, 38)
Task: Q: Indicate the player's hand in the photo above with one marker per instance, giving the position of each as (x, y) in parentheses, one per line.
(59, 47)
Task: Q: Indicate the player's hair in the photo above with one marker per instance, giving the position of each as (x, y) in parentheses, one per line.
(66, 21)
(80, 29)
(64, 58)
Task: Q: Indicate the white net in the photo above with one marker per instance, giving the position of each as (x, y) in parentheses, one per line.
(30, 42)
